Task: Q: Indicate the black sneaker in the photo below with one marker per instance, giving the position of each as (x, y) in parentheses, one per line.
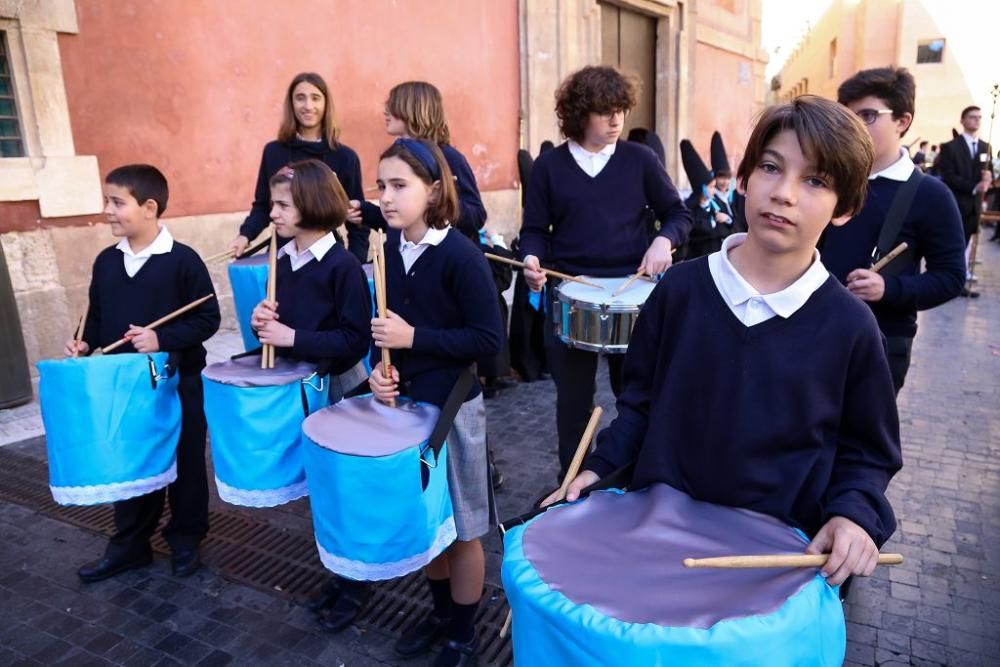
(459, 654)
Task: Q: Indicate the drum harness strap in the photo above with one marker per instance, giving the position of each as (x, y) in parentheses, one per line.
(446, 418)
(173, 361)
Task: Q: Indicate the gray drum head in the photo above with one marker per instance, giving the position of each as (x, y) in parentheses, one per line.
(362, 426)
(254, 260)
(246, 372)
(623, 554)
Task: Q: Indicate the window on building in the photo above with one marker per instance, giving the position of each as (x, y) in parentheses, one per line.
(930, 51)
(11, 144)
(832, 68)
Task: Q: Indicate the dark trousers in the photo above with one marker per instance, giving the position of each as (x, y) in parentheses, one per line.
(575, 374)
(136, 518)
(899, 348)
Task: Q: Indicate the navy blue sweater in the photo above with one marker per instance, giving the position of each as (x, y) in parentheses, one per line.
(165, 283)
(329, 306)
(448, 296)
(472, 213)
(342, 160)
(794, 418)
(599, 225)
(933, 231)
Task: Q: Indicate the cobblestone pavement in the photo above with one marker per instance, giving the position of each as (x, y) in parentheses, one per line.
(942, 607)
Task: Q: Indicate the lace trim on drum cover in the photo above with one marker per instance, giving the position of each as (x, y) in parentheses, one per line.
(113, 492)
(361, 571)
(261, 497)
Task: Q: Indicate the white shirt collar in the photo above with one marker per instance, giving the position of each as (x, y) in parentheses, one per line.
(899, 170)
(163, 243)
(738, 291)
(316, 251)
(432, 237)
(581, 153)
(969, 138)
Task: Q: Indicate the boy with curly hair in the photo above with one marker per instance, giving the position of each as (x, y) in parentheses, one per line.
(588, 212)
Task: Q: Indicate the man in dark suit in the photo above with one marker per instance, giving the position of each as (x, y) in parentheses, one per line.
(964, 165)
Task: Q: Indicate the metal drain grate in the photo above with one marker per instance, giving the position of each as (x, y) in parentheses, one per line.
(274, 559)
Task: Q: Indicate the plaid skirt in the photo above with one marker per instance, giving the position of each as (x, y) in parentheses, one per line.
(468, 472)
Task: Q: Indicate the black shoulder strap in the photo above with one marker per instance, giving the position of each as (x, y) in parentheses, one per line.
(897, 213)
(451, 406)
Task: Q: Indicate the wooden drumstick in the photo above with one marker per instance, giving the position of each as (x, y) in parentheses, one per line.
(381, 300)
(549, 272)
(267, 351)
(893, 254)
(574, 468)
(79, 330)
(232, 251)
(163, 320)
(581, 451)
(625, 285)
(777, 560)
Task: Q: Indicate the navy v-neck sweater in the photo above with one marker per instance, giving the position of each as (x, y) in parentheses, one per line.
(795, 418)
(933, 231)
(329, 305)
(448, 296)
(342, 160)
(600, 225)
(165, 283)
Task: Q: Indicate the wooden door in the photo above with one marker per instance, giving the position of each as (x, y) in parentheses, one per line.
(628, 41)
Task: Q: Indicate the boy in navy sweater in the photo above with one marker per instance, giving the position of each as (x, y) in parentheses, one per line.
(797, 418)
(142, 278)
(587, 212)
(932, 227)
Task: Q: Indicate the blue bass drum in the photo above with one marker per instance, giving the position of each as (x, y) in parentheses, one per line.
(111, 426)
(255, 423)
(380, 501)
(248, 278)
(602, 582)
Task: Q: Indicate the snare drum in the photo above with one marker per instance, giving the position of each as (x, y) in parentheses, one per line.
(380, 501)
(111, 426)
(248, 278)
(255, 422)
(592, 319)
(601, 582)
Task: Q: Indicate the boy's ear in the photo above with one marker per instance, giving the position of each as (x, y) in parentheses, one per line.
(841, 221)
(150, 208)
(740, 188)
(903, 122)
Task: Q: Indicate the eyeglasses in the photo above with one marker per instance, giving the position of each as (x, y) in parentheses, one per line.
(869, 116)
(610, 115)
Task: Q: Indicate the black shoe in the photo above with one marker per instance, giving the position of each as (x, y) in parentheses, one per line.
(496, 477)
(422, 637)
(347, 607)
(325, 598)
(459, 654)
(968, 294)
(185, 562)
(109, 566)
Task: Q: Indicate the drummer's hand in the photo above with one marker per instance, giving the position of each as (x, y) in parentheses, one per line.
(239, 244)
(657, 259)
(266, 311)
(354, 212)
(581, 482)
(277, 334)
(866, 285)
(143, 339)
(392, 332)
(851, 550)
(75, 349)
(384, 389)
(722, 218)
(533, 273)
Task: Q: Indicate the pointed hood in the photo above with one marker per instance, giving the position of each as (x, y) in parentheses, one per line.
(720, 161)
(697, 173)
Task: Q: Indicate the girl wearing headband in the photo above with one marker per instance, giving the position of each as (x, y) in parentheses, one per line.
(438, 325)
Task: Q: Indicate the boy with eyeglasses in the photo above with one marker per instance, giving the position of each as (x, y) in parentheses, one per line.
(902, 205)
(587, 213)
